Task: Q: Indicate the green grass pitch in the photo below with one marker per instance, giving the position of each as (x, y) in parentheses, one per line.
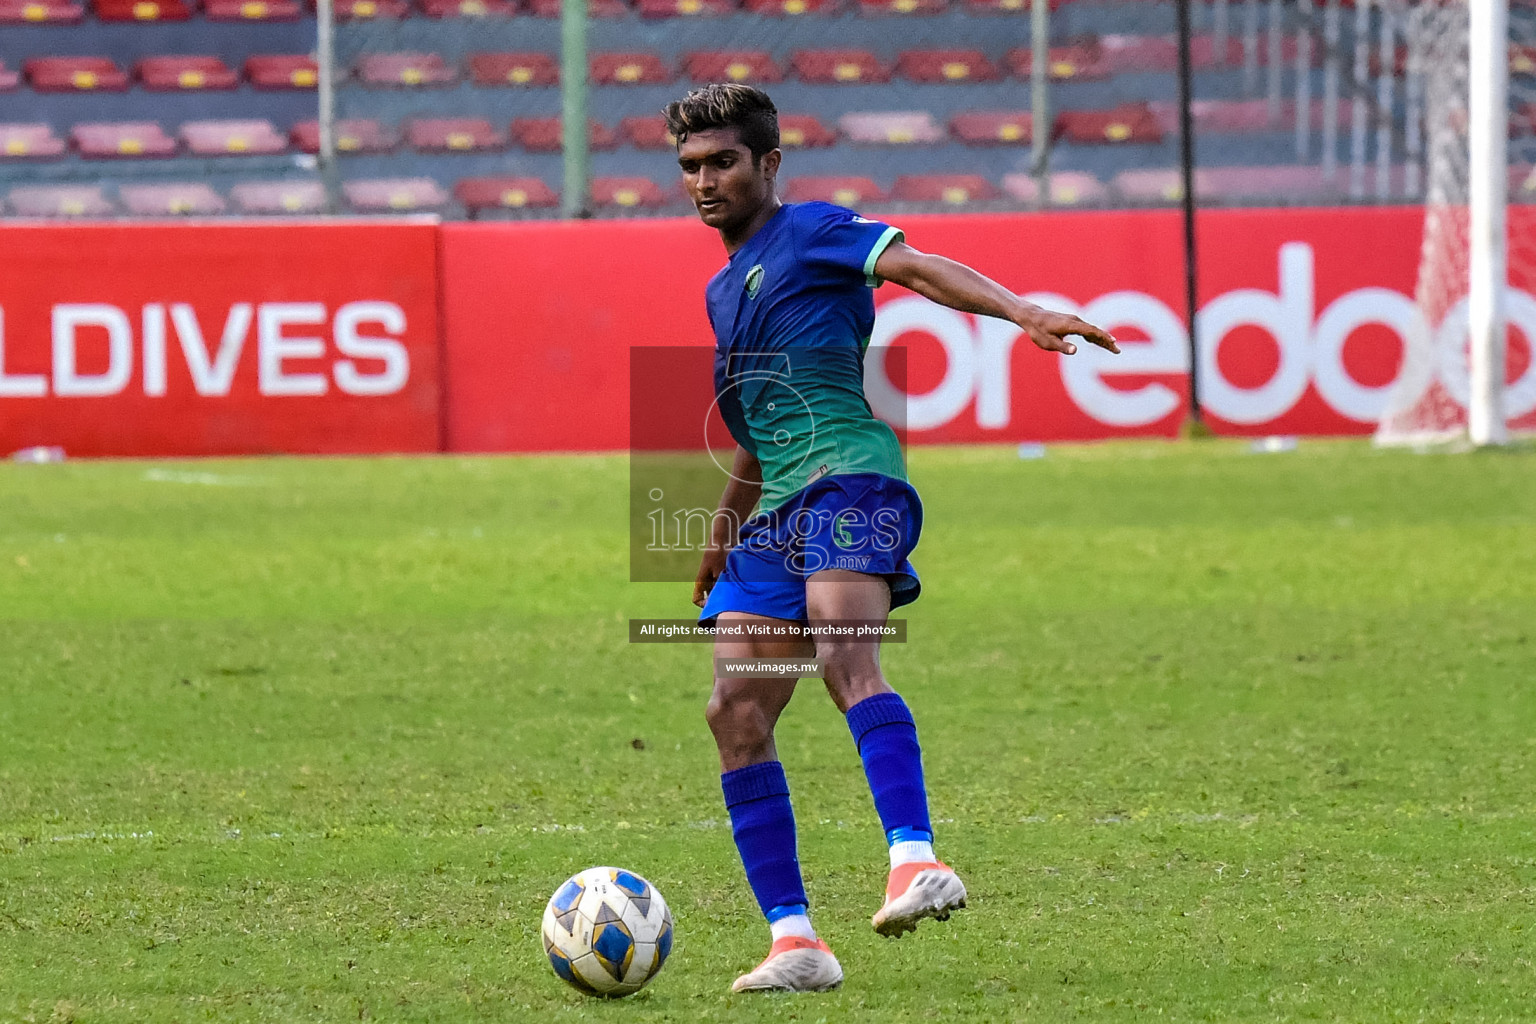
(1211, 736)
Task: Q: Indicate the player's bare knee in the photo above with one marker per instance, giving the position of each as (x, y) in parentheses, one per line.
(738, 721)
(852, 672)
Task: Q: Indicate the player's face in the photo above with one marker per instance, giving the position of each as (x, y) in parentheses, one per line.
(727, 187)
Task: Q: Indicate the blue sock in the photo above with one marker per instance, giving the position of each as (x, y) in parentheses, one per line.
(886, 736)
(763, 824)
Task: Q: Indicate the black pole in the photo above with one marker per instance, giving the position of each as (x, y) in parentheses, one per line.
(1187, 161)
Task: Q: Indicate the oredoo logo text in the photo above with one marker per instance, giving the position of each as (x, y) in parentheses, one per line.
(979, 351)
(301, 349)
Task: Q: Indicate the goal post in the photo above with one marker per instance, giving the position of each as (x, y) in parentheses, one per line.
(1488, 213)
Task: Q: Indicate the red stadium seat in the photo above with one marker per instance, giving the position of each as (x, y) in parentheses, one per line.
(1122, 54)
(469, 8)
(543, 135)
(882, 7)
(74, 74)
(946, 66)
(60, 201)
(996, 6)
(1522, 60)
(1067, 188)
(281, 71)
(175, 74)
(196, 198)
(649, 132)
(804, 131)
(370, 10)
(232, 138)
(279, 196)
(405, 69)
(839, 67)
(394, 195)
(629, 69)
(479, 194)
(143, 10)
(29, 142)
(1077, 62)
(993, 127)
(893, 128)
(253, 10)
(949, 189)
(629, 193)
(453, 135)
(682, 8)
(1159, 185)
(595, 8)
(790, 8)
(732, 66)
(353, 135)
(41, 12)
(1131, 122)
(1293, 183)
(842, 190)
(513, 69)
(122, 139)
(8, 79)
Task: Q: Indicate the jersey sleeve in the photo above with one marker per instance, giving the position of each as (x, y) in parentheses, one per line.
(838, 239)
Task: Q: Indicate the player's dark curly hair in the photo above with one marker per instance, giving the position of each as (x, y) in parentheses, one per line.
(727, 105)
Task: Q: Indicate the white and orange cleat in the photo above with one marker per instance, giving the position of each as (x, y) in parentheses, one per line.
(915, 891)
(794, 964)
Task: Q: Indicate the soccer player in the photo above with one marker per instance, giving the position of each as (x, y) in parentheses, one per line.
(792, 312)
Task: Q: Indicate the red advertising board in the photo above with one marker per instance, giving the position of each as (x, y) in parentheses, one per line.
(220, 338)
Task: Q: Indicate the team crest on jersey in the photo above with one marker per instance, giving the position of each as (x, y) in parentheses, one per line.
(754, 281)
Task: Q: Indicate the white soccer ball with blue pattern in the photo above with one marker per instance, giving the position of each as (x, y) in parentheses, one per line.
(607, 932)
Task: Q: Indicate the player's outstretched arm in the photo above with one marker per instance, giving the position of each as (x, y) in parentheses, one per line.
(736, 503)
(959, 287)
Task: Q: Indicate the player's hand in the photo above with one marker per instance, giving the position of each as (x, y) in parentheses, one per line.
(1049, 330)
(710, 568)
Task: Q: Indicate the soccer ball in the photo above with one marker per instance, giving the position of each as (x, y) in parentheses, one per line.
(607, 932)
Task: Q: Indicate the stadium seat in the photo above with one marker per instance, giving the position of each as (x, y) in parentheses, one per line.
(882, 7)
(74, 74)
(251, 136)
(174, 74)
(9, 79)
(196, 198)
(842, 190)
(1067, 188)
(29, 142)
(1157, 185)
(469, 8)
(629, 69)
(595, 8)
(370, 10)
(650, 132)
(682, 8)
(405, 69)
(394, 195)
(479, 194)
(353, 135)
(896, 127)
(946, 66)
(1131, 122)
(122, 139)
(732, 66)
(1082, 62)
(41, 12)
(630, 193)
(513, 69)
(253, 10)
(949, 189)
(279, 196)
(543, 135)
(60, 201)
(790, 8)
(804, 131)
(281, 71)
(839, 67)
(143, 10)
(993, 127)
(1126, 53)
(453, 135)
(996, 6)
(1295, 183)
(1522, 60)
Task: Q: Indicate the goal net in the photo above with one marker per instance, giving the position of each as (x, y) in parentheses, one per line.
(1437, 389)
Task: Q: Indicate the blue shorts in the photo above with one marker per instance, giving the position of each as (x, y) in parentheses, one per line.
(865, 522)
